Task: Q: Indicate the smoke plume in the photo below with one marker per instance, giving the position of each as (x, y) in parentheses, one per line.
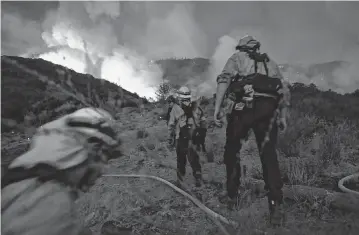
(113, 40)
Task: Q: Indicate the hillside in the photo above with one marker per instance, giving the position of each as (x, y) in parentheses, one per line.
(180, 71)
(319, 147)
(25, 96)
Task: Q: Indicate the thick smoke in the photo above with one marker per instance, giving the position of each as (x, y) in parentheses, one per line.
(327, 33)
(95, 38)
(100, 39)
(90, 28)
(175, 35)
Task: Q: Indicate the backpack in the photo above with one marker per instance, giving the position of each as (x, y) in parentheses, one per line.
(260, 83)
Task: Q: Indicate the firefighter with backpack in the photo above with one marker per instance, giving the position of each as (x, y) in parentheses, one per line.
(185, 120)
(259, 101)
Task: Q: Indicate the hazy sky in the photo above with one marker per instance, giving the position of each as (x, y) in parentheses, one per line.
(291, 32)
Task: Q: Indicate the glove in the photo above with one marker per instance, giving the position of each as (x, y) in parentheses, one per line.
(171, 144)
(282, 124)
(201, 133)
(197, 134)
(171, 139)
(217, 118)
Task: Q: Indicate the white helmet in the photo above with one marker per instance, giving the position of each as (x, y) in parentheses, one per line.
(63, 143)
(93, 122)
(248, 42)
(184, 93)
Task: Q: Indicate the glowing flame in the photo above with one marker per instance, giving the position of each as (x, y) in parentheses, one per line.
(135, 76)
(119, 65)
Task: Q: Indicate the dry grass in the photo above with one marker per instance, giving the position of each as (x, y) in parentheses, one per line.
(311, 147)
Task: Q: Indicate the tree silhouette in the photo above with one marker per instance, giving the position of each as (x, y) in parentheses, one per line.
(163, 90)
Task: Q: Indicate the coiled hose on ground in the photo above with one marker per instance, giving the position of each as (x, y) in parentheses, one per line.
(353, 177)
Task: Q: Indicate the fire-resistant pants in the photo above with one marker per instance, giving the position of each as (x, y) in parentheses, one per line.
(240, 122)
(185, 149)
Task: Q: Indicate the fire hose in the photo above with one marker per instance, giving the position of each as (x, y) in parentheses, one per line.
(215, 216)
(349, 178)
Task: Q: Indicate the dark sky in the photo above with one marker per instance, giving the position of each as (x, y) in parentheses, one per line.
(290, 31)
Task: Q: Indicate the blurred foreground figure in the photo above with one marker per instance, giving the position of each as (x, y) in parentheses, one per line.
(257, 99)
(185, 120)
(66, 155)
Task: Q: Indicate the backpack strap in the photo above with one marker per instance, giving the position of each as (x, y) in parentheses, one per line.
(256, 65)
(266, 67)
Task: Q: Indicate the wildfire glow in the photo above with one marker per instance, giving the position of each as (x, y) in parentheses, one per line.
(116, 69)
(121, 66)
(124, 73)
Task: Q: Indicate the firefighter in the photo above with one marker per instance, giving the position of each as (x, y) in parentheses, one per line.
(259, 99)
(66, 156)
(185, 119)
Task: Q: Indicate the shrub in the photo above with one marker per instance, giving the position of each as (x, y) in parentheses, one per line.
(301, 171)
(204, 101)
(301, 127)
(162, 91)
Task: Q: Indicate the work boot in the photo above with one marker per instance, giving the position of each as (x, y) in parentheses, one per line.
(180, 177)
(198, 179)
(276, 213)
(230, 202)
